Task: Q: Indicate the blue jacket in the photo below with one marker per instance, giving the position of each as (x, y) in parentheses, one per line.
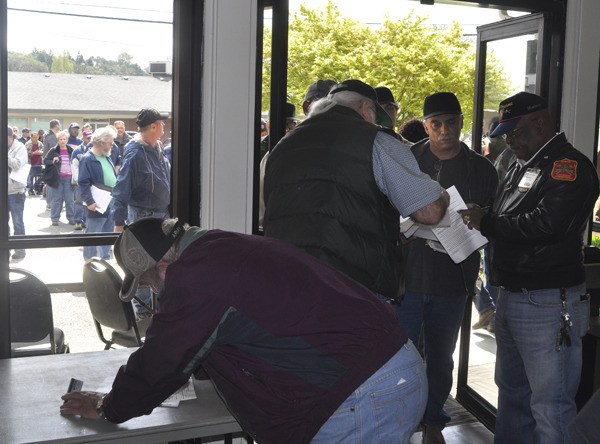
(143, 182)
(91, 173)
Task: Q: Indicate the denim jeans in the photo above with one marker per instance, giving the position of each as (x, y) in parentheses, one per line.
(16, 206)
(78, 207)
(98, 225)
(386, 408)
(34, 174)
(536, 380)
(145, 294)
(57, 195)
(486, 298)
(439, 318)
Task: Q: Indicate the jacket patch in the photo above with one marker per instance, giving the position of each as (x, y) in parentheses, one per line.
(565, 169)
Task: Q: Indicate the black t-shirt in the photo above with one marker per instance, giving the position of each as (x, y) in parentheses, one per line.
(429, 271)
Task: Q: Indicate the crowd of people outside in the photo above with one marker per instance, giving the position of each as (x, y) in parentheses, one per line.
(335, 186)
(72, 168)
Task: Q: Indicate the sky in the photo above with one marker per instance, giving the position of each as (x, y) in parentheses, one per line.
(143, 28)
(135, 28)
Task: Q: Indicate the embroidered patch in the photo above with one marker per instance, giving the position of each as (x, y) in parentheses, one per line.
(565, 169)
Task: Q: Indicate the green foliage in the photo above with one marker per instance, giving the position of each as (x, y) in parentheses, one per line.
(63, 63)
(596, 241)
(42, 61)
(407, 56)
(25, 63)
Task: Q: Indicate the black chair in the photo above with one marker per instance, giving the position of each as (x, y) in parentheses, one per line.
(101, 284)
(32, 329)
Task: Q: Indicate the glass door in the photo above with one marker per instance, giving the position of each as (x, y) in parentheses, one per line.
(520, 50)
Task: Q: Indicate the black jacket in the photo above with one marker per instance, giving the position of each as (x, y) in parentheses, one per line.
(51, 175)
(536, 232)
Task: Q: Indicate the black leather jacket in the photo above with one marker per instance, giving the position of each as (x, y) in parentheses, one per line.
(536, 231)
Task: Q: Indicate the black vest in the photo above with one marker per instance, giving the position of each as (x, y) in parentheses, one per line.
(321, 196)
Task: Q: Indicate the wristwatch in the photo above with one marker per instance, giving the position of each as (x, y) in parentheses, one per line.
(100, 407)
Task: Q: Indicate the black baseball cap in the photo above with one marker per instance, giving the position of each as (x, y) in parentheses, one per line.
(440, 103)
(384, 95)
(512, 109)
(139, 248)
(149, 115)
(319, 89)
(352, 85)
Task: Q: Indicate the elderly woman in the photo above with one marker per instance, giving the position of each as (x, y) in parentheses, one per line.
(96, 177)
(57, 175)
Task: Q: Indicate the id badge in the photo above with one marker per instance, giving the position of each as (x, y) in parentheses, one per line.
(528, 179)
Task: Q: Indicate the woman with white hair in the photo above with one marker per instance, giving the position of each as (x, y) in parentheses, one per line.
(97, 176)
(57, 176)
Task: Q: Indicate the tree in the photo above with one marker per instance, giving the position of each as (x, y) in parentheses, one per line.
(25, 63)
(63, 63)
(409, 57)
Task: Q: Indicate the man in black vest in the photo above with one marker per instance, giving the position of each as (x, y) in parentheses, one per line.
(336, 185)
(437, 289)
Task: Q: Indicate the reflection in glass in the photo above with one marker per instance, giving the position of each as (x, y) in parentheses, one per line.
(518, 58)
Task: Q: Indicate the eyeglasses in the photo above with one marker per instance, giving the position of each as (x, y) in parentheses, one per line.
(514, 134)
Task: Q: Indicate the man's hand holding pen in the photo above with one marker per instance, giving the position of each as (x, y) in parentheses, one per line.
(473, 215)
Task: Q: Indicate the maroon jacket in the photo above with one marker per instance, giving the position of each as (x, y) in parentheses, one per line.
(284, 337)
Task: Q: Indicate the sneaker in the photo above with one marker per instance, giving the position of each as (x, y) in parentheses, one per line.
(433, 435)
(484, 319)
(78, 226)
(18, 254)
(71, 222)
(55, 223)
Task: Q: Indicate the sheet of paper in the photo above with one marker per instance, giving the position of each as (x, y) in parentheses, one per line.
(409, 227)
(457, 239)
(21, 174)
(183, 394)
(102, 199)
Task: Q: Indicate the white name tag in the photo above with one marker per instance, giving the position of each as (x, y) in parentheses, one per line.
(528, 178)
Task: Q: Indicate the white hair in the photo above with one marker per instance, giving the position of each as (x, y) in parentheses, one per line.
(348, 99)
(105, 134)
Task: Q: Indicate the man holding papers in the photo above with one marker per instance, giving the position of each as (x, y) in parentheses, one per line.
(17, 161)
(536, 231)
(96, 178)
(437, 288)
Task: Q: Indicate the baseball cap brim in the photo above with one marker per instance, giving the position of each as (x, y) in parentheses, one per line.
(129, 287)
(505, 127)
(130, 282)
(382, 117)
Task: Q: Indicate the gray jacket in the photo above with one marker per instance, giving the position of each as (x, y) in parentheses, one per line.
(17, 157)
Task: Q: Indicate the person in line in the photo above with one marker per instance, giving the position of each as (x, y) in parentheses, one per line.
(536, 228)
(17, 158)
(143, 187)
(25, 135)
(386, 99)
(336, 185)
(437, 289)
(316, 91)
(485, 299)
(97, 170)
(79, 148)
(122, 138)
(58, 178)
(293, 366)
(35, 154)
(50, 139)
(413, 130)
